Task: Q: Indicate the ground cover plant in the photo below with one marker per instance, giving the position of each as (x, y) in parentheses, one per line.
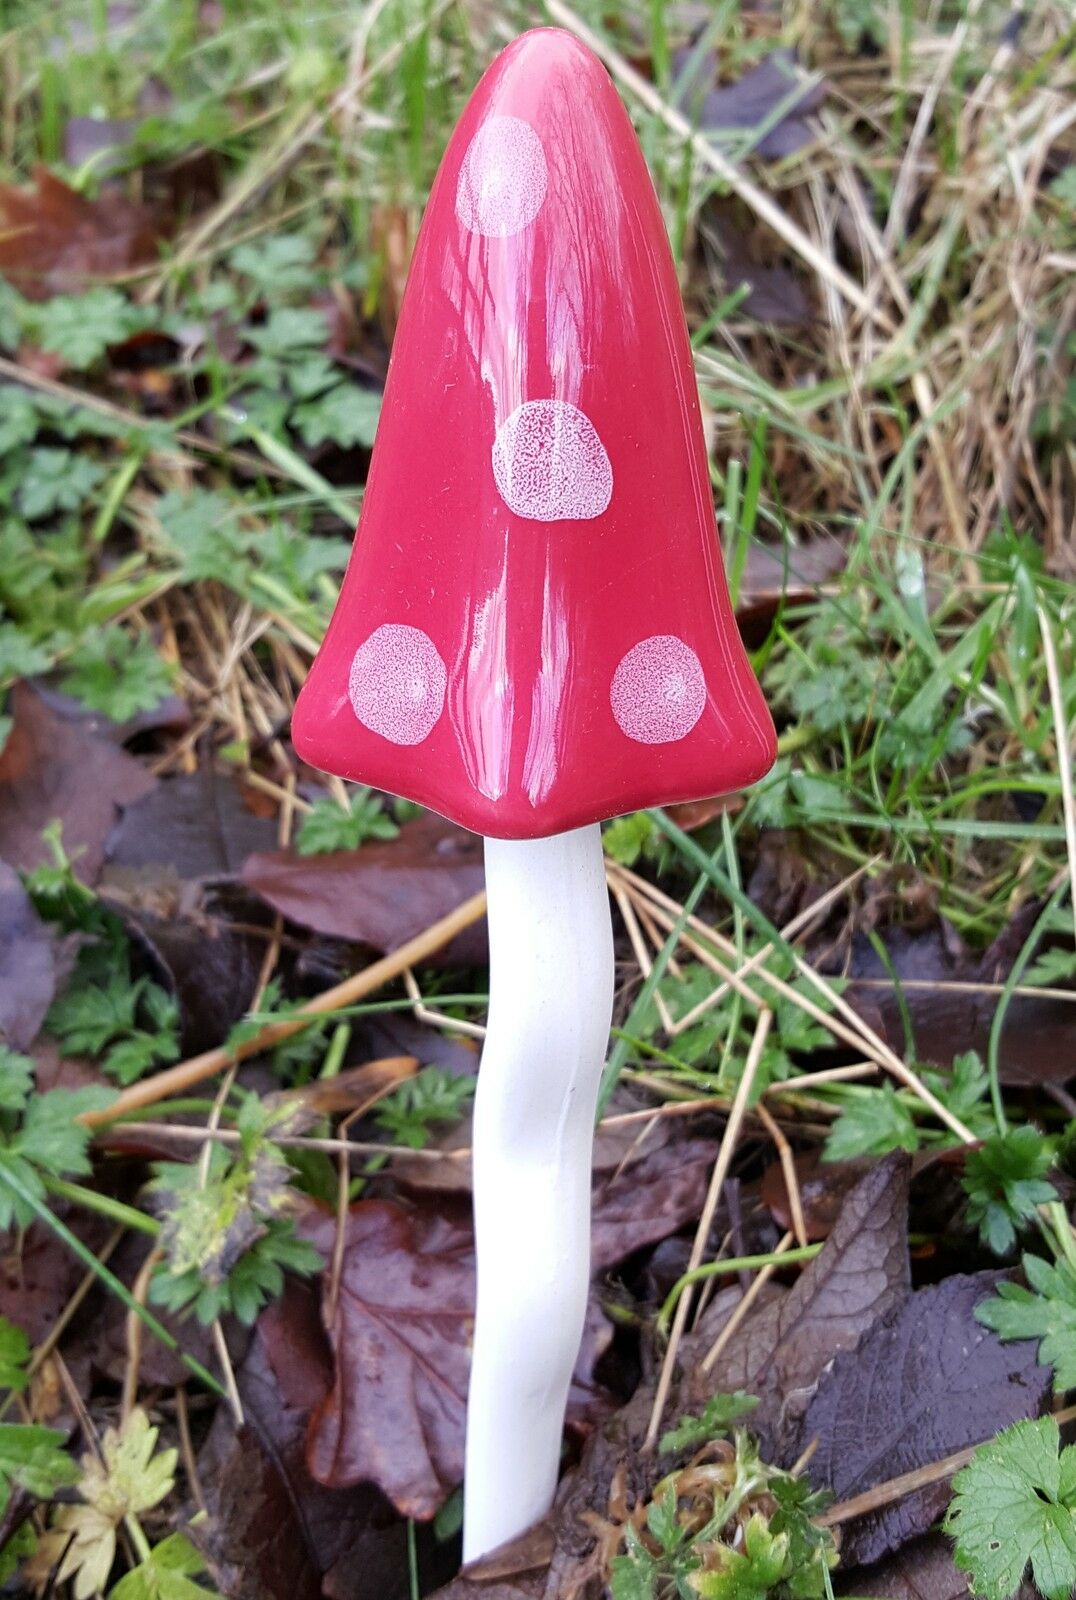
(832, 1332)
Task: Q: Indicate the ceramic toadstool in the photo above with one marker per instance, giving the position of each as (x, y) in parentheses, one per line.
(534, 635)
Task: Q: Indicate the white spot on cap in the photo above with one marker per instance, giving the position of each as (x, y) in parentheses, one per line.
(658, 690)
(550, 464)
(397, 683)
(503, 178)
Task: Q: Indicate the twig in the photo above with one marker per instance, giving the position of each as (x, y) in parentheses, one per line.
(702, 1232)
(788, 1170)
(883, 1494)
(177, 1079)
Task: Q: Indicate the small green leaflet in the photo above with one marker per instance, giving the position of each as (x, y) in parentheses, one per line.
(49, 1140)
(873, 1124)
(1046, 1311)
(14, 1354)
(119, 673)
(718, 1415)
(168, 1573)
(329, 827)
(1005, 1182)
(1013, 1503)
(34, 1459)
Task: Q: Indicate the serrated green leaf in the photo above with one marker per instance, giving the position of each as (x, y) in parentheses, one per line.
(1046, 1311)
(346, 415)
(81, 327)
(118, 673)
(14, 1354)
(1007, 1510)
(34, 1458)
(873, 1124)
(720, 1412)
(1005, 1182)
(16, 1079)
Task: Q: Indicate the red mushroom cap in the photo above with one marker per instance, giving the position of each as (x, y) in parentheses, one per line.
(534, 630)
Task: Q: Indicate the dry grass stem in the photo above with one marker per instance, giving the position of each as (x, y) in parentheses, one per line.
(725, 1154)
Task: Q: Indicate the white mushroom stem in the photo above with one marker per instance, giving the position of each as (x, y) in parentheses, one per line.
(551, 998)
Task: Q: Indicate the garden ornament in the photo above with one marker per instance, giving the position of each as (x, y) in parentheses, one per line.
(534, 635)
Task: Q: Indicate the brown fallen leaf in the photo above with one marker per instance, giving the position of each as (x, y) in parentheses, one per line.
(382, 894)
(402, 1324)
(31, 963)
(789, 575)
(401, 1332)
(55, 769)
(774, 89)
(932, 1380)
(823, 1187)
(649, 1200)
(1036, 1042)
(924, 1570)
(780, 1351)
(54, 240)
(272, 1532)
(199, 824)
(38, 1274)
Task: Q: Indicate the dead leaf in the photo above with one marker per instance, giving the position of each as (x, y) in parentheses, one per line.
(924, 1570)
(54, 240)
(401, 1336)
(199, 824)
(1036, 1045)
(531, 1587)
(385, 892)
(205, 944)
(52, 768)
(823, 1185)
(786, 575)
(932, 1380)
(649, 1200)
(38, 1274)
(30, 964)
(780, 1352)
(272, 1532)
(775, 84)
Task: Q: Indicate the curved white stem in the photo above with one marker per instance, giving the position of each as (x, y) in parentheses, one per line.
(551, 997)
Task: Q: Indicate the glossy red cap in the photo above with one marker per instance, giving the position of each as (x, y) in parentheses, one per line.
(534, 630)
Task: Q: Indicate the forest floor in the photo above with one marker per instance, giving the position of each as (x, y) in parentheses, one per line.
(242, 1004)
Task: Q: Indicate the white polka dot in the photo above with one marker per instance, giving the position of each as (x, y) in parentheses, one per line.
(658, 690)
(550, 464)
(397, 683)
(502, 179)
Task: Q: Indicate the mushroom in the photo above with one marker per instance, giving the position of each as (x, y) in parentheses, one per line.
(534, 635)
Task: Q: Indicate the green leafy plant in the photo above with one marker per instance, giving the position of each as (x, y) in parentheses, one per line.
(32, 1458)
(167, 1573)
(227, 1236)
(1046, 1311)
(877, 1120)
(40, 1136)
(130, 1477)
(431, 1097)
(1005, 1182)
(1015, 1504)
(328, 826)
(728, 1526)
(129, 1025)
(119, 673)
(713, 1422)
